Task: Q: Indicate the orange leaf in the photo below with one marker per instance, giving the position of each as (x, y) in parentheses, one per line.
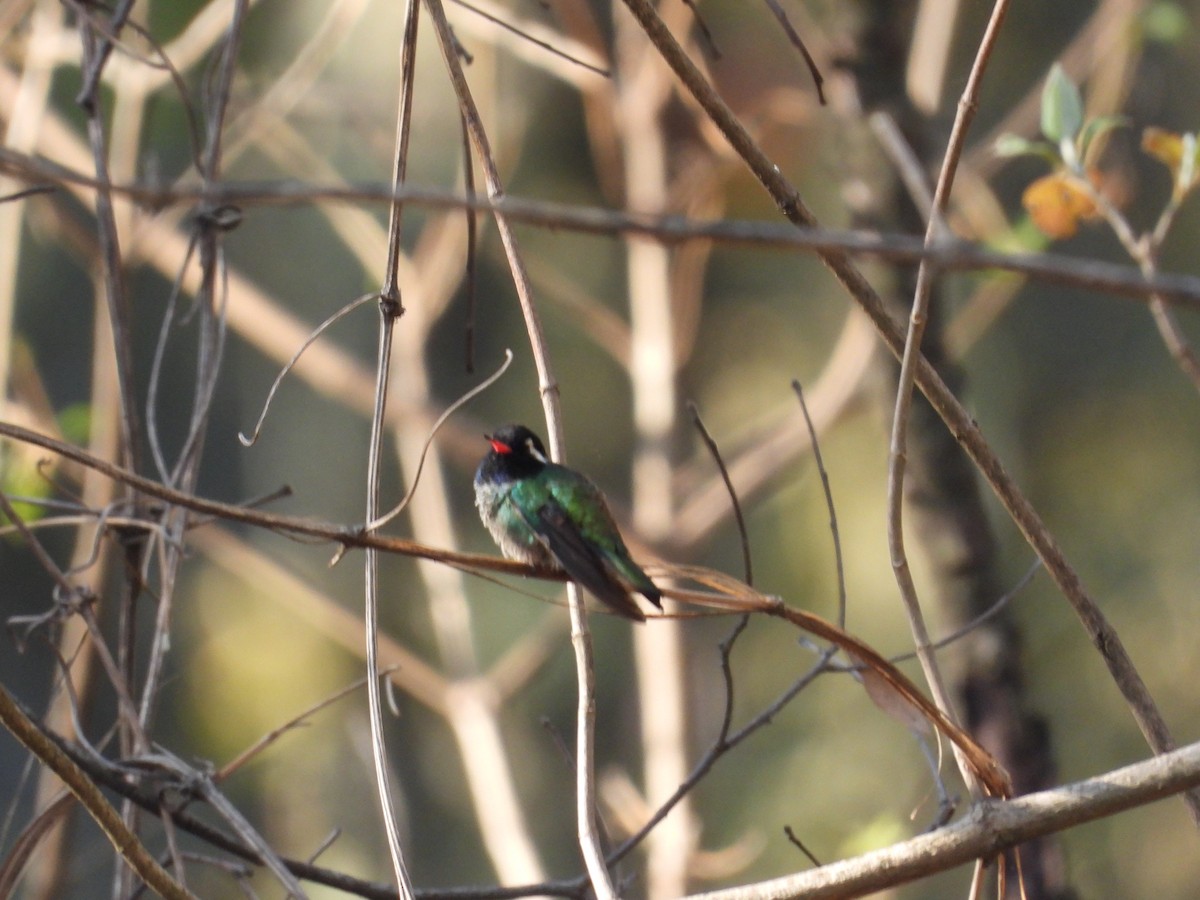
(1056, 203)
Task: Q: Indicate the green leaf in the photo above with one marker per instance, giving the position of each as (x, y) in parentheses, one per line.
(75, 422)
(1062, 107)
(1022, 237)
(1010, 145)
(21, 479)
(1013, 145)
(1095, 128)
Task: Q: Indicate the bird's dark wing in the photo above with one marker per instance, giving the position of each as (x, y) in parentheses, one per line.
(582, 561)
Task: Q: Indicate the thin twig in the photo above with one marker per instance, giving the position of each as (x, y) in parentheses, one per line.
(295, 722)
(391, 307)
(441, 420)
(95, 51)
(30, 838)
(839, 564)
(29, 192)
(723, 743)
(794, 36)
(111, 30)
(1145, 252)
(959, 633)
(799, 845)
(156, 365)
(291, 363)
(472, 223)
(898, 447)
(747, 566)
(532, 39)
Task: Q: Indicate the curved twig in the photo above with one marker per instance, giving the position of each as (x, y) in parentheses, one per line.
(441, 420)
(291, 363)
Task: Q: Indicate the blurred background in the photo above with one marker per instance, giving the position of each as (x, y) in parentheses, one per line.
(1074, 390)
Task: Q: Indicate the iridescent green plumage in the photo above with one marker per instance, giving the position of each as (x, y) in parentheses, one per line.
(545, 514)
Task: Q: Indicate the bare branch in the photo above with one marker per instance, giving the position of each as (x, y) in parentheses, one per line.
(991, 827)
(948, 255)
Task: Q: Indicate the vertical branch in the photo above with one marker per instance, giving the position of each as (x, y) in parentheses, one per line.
(94, 51)
(642, 89)
(912, 350)
(548, 387)
(471, 709)
(945, 511)
(96, 47)
(210, 342)
(371, 614)
(390, 308)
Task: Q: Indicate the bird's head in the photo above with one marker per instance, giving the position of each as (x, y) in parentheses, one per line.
(518, 449)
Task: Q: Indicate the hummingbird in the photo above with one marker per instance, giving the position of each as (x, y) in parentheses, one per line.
(544, 514)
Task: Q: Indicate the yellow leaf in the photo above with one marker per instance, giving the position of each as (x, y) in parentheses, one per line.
(1165, 146)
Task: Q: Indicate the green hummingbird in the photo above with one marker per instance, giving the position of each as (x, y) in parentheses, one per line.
(545, 514)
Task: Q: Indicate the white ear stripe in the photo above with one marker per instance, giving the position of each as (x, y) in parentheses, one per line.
(534, 451)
